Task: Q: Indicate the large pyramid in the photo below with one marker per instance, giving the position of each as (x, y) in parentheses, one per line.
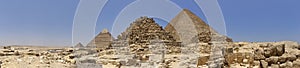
(187, 28)
(143, 30)
(102, 40)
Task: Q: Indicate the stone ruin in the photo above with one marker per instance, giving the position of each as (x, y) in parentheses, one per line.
(143, 32)
(284, 54)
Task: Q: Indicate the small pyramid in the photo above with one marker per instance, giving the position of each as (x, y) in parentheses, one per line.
(79, 45)
(187, 28)
(143, 30)
(102, 40)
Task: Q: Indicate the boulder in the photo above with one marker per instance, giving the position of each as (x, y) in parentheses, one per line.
(229, 50)
(202, 60)
(272, 60)
(267, 52)
(256, 64)
(239, 58)
(274, 66)
(282, 59)
(274, 50)
(258, 54)
(296, 64)
(289, 57)
(70, 59)
(289, 64)
(280, 49)
(264, 64)
(290, 44)
(245, 61)
(295, 52)
(122, 62)
(283, 65)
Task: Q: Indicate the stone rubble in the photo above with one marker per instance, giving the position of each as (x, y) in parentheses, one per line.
(283, 54)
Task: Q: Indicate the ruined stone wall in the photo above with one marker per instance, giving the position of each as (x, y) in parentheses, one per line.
(284, 54)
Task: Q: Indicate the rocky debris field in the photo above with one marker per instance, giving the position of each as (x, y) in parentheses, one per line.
(36, 57)
(285, 54)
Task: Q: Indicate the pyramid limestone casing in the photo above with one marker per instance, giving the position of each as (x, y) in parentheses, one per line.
(186, 26)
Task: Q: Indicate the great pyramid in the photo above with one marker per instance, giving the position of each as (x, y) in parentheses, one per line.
(187, 28)
(102, 40)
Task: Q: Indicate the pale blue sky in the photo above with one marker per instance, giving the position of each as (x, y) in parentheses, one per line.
(49, 22)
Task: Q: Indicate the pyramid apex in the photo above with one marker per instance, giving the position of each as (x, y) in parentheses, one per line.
(104, 30)
(186, 10)
(79, 45)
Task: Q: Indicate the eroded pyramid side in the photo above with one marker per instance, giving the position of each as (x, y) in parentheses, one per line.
(143, 30)
(144, 36)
